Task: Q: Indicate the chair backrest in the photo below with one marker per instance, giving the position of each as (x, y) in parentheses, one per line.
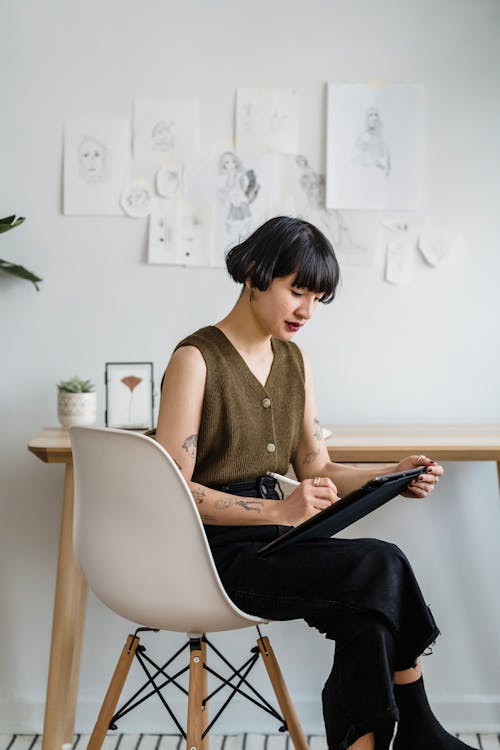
(139, 539)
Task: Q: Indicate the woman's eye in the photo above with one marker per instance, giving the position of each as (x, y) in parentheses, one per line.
(296, 294)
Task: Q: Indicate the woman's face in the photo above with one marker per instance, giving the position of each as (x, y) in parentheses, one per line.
(282, 309)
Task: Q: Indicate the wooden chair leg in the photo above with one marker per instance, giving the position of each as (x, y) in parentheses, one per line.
(113, 693)
(197, 686)
(205, 743)
(282, 695)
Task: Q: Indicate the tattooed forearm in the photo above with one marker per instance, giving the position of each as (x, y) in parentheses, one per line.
(198, 494)
(309, 458)
(208, 519)
(247, 504)
(251, 504)
(317, 429)
(190, 444)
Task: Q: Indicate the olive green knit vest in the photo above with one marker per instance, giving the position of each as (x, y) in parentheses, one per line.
(247, 428)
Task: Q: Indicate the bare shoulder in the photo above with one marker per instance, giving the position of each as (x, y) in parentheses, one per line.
(187, 361)
(185, 371)
(307, 363)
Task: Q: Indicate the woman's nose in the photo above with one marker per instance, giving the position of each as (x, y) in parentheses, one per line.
(306, 308)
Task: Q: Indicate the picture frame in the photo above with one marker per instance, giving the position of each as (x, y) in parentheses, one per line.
(129, 395)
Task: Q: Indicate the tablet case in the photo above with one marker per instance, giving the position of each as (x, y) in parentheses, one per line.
(347, 510)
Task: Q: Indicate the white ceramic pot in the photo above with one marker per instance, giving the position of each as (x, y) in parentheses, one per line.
(76, 408)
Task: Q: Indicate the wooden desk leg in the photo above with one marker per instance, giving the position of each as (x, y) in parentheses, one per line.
(67, 633)
(78, 620)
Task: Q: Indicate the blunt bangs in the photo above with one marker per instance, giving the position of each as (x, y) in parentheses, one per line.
(283, 246)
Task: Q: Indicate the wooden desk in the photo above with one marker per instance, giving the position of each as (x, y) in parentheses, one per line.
(53, 446)
(348, 444)
(385, 443)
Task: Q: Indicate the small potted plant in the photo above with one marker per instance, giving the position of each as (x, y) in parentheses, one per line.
(76, 402)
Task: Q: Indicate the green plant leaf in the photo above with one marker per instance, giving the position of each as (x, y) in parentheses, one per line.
(20, 271)
(10, 222)
(76, 385)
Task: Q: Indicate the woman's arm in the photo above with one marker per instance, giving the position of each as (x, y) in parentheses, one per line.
(312, 458)
(179, 421)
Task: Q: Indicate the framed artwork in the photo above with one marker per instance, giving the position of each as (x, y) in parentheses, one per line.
(129, 395)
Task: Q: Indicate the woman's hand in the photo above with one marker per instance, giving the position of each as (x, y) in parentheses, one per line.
(425, 483)
(309, 498)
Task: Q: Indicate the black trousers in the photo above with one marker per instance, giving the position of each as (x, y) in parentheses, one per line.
(361, 593)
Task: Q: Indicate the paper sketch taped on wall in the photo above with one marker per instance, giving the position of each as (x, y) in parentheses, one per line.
(162, 243)
(194, 228)
(96, 164)
(137, 199)
(92, 160)
(267, 121)
(238, 190)
(311, 206)
(369, 148)
(166, 130)
(169, 181)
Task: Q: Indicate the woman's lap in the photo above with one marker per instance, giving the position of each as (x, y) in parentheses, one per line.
(320, 580)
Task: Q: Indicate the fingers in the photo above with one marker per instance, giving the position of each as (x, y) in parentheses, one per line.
(323, 489)
(427, 464)
(426, 482)
(324, 482)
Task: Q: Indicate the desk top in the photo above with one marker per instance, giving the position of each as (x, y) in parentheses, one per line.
(455, 442)
(52, 445)
(353, 442)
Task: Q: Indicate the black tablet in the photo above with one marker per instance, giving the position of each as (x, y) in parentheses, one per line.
(347, 510)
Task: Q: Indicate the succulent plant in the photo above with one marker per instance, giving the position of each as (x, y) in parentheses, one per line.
(76, 385)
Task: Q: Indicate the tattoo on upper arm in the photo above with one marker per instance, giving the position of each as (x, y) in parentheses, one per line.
(309, 458)
(318, 434)
(190, 444)
(208, 519)
(198, 494)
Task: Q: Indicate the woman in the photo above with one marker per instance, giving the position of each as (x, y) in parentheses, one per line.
(238, 401)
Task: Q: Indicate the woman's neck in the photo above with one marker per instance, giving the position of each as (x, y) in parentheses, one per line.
(244, 332)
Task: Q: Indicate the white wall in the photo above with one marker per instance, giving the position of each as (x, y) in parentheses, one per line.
(428, 352)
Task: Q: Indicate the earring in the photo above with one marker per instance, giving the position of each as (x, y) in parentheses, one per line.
(251, 294)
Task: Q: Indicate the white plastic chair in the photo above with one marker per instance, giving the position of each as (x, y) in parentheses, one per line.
(140, 542)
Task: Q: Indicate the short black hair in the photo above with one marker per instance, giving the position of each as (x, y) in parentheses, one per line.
(282, 246)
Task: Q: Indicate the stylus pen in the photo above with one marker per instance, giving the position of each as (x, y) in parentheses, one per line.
(281, 478)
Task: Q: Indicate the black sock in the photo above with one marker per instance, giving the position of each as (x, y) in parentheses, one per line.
(418, 728)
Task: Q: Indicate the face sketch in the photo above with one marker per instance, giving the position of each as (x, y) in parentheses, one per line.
(92, 160)
(162, 135)
(229, 163)
(373, 124)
